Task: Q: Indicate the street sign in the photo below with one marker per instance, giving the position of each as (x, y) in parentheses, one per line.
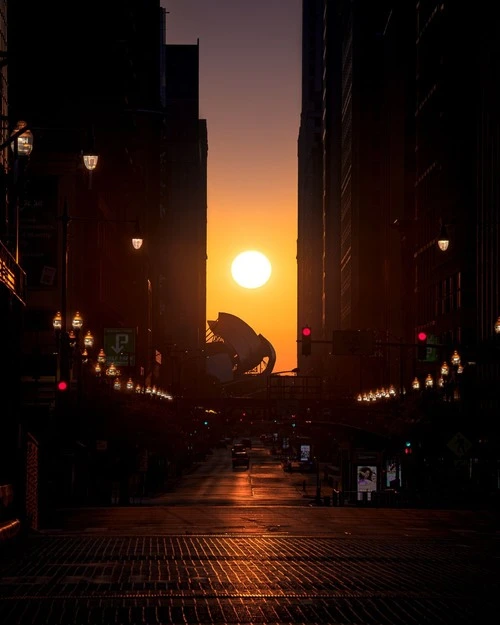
(119, 346)
(432, 352)
(353, 343)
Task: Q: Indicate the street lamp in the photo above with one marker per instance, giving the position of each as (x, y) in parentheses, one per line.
(21, 139)
(443, 239)
(497, 326)
(73, 352)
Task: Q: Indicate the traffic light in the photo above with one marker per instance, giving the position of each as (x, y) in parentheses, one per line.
(408, 448)
(422, 346)
(306, 341)
(62, 386)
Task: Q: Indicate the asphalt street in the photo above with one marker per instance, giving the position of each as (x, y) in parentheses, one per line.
(170, 560)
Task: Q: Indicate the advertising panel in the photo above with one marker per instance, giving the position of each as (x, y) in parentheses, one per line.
(305, 453)
(367, 479)
(390, 474)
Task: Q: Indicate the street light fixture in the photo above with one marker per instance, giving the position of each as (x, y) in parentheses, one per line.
(497, 326)
(443, 239)
(22, 139)
(137, 239)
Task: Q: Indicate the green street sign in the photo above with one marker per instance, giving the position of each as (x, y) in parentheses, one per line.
(119, 346)
(432, 352)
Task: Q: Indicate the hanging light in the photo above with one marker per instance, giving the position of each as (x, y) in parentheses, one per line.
(90, 161)
(130, 385)
(415, 384)
(117, 385)
(455, 359)
(112, 371)
(88, 339)
(443, 239)
(445, 369)
(23, 143)
(137, 239)
(97, 369)
(359, 398)
(89, 154)
(101, 357)
(440, 382)
(77, 322)
(392, 391)
(497, 326)
(57, 321)
(429, 382)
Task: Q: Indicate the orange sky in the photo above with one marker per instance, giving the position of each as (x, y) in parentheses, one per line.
(250, 75)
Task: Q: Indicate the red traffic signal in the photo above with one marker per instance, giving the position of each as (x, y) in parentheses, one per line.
(306, 341)
(62, 386)
(422, 346)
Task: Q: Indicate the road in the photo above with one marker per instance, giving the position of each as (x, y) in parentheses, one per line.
(247, 547)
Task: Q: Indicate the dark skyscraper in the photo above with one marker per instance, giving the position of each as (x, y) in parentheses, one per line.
(183, 225)
(352, 179)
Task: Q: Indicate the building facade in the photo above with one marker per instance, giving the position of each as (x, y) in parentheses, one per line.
(183, 223)
(356, 84)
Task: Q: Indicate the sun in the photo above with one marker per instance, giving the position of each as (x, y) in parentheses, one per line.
(251, 269)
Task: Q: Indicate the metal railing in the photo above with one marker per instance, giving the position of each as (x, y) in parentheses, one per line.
(11, 274)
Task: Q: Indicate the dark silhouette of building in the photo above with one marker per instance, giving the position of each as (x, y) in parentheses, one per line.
(398, 150)
(354, 173)
(183, 217)
(94, 84)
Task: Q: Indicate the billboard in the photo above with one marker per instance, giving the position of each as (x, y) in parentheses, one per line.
(366, 480)
(305, 453)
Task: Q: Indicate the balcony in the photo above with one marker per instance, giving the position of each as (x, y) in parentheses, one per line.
(11, 274)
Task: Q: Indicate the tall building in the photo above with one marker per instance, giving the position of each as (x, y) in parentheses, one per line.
(183, 223)
(457, 188)
(353, 176)
(76, 225)
(310, 250)
(12, 276)
(399, 183)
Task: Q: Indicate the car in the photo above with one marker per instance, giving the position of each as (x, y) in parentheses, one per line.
(247, 443)
(237, 448)
(241, 459)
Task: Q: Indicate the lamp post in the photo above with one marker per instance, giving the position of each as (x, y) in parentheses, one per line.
(69, 345)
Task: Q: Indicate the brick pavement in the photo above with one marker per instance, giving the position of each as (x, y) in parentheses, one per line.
(257, 580)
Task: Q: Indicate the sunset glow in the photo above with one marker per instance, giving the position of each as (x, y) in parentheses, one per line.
(250, 96)
(251, 269)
